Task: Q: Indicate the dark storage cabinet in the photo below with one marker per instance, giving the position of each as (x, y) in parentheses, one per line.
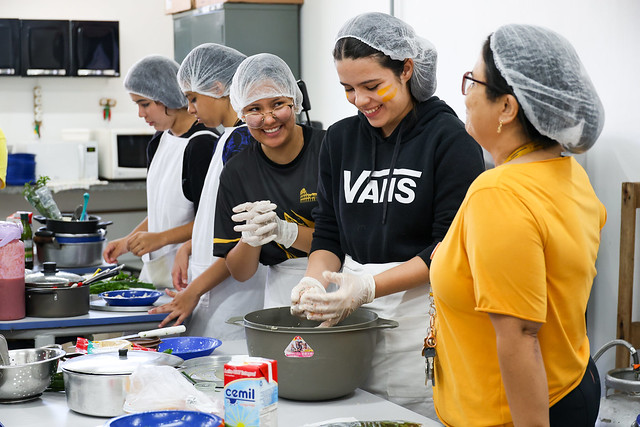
(95, 48)
(10, 47)
(250, 28)
(45, 48)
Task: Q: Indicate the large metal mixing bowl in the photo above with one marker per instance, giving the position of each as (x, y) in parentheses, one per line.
(28, 373)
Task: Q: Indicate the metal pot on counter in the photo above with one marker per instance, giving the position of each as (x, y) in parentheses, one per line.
(314, 363)
(96, 384)
(71, 243)
(53, 293)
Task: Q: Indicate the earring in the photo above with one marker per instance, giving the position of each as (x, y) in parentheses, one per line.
(500, 127)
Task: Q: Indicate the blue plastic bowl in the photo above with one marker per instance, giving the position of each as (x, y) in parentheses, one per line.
(166, 418)
(130, 297)
(189, 347)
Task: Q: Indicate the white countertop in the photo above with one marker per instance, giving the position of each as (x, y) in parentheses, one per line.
(51, 408)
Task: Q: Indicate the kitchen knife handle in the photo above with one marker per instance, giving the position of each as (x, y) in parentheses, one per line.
(163, 331)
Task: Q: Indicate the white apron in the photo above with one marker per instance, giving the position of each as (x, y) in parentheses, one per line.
(230, 298)
(397, 373)
(167, 207)
(281, 279)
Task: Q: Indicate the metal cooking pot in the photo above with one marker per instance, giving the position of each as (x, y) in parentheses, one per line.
(53, 293)
(28, 373)
(96, 384)
(314, 363)
(70, 249)
(90, 225)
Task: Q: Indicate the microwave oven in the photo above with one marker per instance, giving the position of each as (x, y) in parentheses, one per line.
(64, 161)
(123, 153)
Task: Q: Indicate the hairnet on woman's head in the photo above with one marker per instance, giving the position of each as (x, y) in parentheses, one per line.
(398, 40)
(208, 69)
(263, 76)
(551, 84)
(154, 77)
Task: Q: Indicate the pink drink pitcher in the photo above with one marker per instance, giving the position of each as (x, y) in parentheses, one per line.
(12, 305)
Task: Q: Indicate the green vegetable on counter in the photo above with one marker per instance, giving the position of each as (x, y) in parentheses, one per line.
(122, 281)
(57, 382)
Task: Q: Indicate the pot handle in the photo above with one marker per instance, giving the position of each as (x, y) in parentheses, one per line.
(385, 323)
(103, 224)
(237, 320)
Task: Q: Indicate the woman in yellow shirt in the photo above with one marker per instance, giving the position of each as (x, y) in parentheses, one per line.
(3, 160)
(512, 277)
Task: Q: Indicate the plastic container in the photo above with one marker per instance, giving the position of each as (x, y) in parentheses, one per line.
(12, 302)
(21, 168)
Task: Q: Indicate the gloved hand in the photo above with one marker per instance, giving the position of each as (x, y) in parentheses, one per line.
(248, 212)
(333, 307)
(305, 285)
(263, 225)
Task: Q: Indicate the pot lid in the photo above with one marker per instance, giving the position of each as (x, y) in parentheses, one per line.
(50, 276)
(121, 362)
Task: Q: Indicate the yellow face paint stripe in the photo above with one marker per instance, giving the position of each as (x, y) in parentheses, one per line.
(218, 240)
(383, 90)
(390, 96)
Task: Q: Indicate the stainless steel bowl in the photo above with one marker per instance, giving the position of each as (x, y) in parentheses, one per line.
(28, 373)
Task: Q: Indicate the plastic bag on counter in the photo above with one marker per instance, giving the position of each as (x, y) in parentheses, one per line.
(155, 388)
(40, 197)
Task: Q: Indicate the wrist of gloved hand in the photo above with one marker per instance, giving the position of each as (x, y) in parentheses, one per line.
(286, 233)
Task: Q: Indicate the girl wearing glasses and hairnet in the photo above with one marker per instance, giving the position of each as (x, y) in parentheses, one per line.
(391, 180)
(212, 296)
(178, 158)
(267, 191)
(512, 277)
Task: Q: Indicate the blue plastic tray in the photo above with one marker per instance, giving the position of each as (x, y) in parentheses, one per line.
(131, 297)
(166, 418)
(189, 347)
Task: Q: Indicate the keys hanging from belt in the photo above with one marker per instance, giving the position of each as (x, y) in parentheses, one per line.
(429, 353)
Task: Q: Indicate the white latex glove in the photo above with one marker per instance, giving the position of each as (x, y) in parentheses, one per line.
(249, 213)
(263, 226)
(331, 308)
(306, 284)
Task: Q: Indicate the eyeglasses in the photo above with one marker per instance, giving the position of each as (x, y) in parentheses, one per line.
(281, 113)
(468, 81)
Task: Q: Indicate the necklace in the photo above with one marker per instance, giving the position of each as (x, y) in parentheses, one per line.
(527, 148)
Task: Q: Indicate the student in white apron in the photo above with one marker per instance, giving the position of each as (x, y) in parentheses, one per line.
(267, 191)
(207, 293)
(179, 155)
(391, 180)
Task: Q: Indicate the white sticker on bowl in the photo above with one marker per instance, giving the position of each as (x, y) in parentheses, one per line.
(298, 348)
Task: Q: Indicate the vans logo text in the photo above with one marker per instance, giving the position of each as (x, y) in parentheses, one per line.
(403, 183)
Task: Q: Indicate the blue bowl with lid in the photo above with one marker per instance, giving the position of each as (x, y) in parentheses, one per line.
(166, 418)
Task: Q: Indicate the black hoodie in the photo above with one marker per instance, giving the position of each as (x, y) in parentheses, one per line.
(431, 161)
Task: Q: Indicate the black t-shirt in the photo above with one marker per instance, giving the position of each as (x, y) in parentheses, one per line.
(195, 162)
(250, 176)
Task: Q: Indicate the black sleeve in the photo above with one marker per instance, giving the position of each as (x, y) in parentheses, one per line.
(458, 162)
(225, 237)
(195, 164)
(326, 235)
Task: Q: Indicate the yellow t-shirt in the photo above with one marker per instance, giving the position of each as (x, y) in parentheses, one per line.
(3, 160)
(524, 244)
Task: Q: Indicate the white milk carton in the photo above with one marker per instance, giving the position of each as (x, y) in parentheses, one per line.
(250, 392)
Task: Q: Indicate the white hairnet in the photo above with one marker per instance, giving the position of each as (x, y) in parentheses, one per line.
(398, 40)
(208, 69)
(263, 76)
(550, 83)
(154, 77)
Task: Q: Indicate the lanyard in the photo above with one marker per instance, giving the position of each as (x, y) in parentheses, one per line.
(525, 149)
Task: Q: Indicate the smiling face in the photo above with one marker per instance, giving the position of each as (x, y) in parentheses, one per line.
(276, 130)
(154, 113)
(383, 97)
(210, 111)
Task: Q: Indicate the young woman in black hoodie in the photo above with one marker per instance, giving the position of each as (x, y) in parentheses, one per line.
(390, 182)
